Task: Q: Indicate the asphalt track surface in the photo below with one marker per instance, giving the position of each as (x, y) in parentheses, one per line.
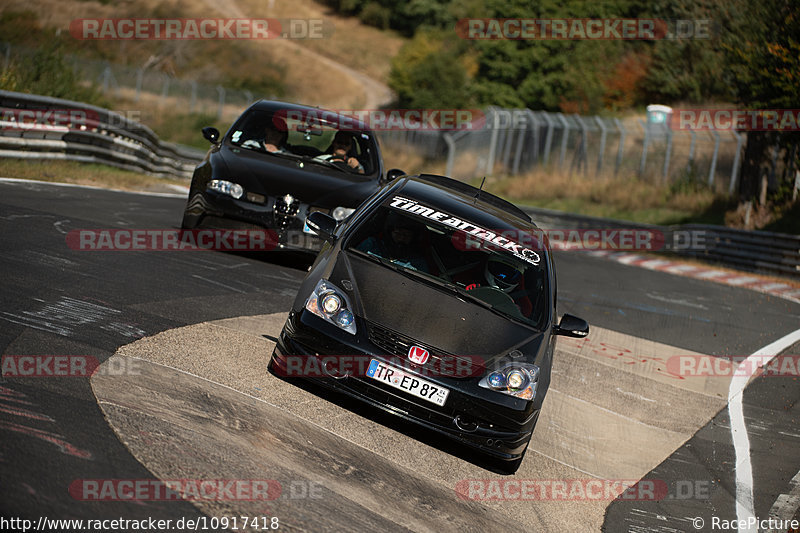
(62, 301)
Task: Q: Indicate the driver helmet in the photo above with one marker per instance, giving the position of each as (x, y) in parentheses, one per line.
(503, 273)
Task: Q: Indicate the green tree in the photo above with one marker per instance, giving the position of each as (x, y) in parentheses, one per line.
(430, 72)
(762, 64)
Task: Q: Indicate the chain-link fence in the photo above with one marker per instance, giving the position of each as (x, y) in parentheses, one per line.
(147, 85)
(508, 141)
(515, 141)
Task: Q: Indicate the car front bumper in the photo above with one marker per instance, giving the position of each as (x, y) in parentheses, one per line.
(285, 219)
(494, 429)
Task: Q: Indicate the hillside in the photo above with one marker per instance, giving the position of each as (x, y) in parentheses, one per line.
(355, 58)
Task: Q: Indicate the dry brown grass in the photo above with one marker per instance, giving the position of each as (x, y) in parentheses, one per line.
(344, 71)
(363, 48)
(623, 197)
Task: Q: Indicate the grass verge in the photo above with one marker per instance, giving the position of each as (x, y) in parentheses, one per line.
(96, 175)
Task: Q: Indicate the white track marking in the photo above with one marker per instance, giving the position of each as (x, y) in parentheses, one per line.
(75, 185)
(741, 442)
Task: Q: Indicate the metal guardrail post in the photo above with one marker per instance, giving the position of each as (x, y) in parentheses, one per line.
(499, 153)
(510, 131)
(139, 80)
(520, 140)
(774, 164)
(451, 153)
(548, 142)
(643, 160)
(790, 171)
(621, 149)
(492, 142)
(692, 144)
(582, 155)
(713, 167)
(602, 149)
(106, 79)
(736, 160)
(164, 90)
(564, 136)
(665, 172)
(221, 106)
(535, 134)
(193, 97)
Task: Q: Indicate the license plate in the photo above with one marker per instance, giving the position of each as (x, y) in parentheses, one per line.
(413, 385)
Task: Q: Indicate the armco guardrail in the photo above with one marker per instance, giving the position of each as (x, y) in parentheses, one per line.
(756, 251)
(41, 127)
(753, 251)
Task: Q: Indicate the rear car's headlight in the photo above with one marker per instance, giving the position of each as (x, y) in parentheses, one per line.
(226, 187)
(331, 304)
(341, 213)
(515, 379)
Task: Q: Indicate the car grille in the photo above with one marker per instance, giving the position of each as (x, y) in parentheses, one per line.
(396, 343)
(285, 210)
(399, 345)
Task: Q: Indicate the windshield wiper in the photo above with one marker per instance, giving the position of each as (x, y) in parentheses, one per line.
(293, 157)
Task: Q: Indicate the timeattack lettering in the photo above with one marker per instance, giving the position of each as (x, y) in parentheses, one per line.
(411, 206)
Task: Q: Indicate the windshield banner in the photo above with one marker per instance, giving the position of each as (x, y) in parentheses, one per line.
(491, 238)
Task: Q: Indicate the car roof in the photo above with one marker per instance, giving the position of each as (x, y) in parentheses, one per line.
(464, 201)
(276, 105)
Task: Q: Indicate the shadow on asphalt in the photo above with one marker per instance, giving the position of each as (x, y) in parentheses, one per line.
(409, 429)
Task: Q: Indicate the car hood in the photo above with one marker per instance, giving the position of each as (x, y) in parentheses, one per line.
(273, 176)
(431, 316)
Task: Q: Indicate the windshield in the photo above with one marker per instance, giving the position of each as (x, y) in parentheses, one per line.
(315, 141)
(433, 251)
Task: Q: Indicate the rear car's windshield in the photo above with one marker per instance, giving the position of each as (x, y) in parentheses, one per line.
(293, 135)
(457, 261)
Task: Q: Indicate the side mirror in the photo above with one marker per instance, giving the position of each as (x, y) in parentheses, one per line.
(211, 134)
(572, 326)
(322, 224)
(393, 174)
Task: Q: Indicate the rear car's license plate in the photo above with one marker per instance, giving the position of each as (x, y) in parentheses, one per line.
(413, 385)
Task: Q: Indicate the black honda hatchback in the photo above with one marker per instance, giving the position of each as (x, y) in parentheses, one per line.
(436, 302)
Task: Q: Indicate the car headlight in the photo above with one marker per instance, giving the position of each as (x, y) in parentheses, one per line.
(226, 187)
(332, 305)
(341, 213)
(515, 379)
